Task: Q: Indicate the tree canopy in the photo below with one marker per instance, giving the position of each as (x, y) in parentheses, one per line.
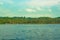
(29, 20)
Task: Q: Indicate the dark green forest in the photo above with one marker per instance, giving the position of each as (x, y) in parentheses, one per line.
(29, 20)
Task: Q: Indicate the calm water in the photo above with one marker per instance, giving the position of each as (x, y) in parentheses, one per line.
(30, 32)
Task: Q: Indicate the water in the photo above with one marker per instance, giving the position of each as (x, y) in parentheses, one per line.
(30, 32)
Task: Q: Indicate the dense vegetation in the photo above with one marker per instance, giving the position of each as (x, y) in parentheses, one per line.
(29, 20)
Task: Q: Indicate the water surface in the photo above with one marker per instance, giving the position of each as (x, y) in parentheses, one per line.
(30, 32)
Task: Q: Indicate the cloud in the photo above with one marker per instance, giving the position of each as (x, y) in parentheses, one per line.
(6, 12)
(42, 3)
(49, 10)
(1, 3)
(38, 8)
(30, 10)
(38, 15)
(47, 15)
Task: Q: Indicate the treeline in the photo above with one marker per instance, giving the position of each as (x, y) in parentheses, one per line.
(29, 20)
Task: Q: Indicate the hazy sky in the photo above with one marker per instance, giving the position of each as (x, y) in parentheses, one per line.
(30, 8)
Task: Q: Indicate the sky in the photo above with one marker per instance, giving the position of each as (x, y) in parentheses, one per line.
(30, 8)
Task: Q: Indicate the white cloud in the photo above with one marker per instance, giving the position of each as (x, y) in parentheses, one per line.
(30, 10)
(38, 8)
(47, 15)
(49, 10)
(6, 12)
(38, 15)
(1, 3)
(42, 3)
(43, 15)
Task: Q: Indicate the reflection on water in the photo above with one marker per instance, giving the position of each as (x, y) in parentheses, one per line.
(30, 32)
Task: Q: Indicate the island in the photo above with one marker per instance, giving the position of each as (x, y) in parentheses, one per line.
(29, 20)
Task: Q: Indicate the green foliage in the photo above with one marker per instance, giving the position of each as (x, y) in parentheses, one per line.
(29, 20)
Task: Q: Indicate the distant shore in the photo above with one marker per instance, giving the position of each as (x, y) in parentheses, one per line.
(29, 20)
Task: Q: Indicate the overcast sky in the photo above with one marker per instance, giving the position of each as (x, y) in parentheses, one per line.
(30, 8)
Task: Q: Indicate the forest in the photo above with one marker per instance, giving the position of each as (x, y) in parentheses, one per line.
(29, 20)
